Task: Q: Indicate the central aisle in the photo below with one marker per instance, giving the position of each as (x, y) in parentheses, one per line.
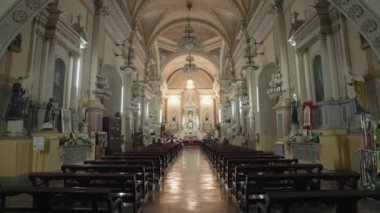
(190, 185)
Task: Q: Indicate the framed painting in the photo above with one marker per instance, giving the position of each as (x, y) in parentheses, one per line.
(66, 121)
(101, 139)
(307, 107)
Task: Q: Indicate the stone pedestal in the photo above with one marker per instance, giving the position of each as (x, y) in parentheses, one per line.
(283, 119)
(84, 128)
(294, 129)
(15, 128)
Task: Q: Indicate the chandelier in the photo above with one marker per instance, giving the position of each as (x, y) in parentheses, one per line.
(251, 53)
(189, 41)
(190, 67)
(276, 91)
(127, 52)
(102, 89)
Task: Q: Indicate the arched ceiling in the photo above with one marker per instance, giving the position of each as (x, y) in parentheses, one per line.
(161, 24)
(175, 64)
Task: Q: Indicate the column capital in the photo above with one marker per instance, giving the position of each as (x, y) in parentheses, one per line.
(99, 4)
(52, 20)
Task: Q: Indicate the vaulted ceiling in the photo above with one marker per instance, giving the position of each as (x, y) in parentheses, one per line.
(161, 24)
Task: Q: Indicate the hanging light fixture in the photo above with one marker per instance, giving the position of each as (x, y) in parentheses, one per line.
(276, 90)
(189, 41)
(190, 67)
(128, 52)
(102, 89)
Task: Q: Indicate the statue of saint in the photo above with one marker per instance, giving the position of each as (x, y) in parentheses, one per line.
(294, 109)
(361, 95)
(16, 104)
(50, 114)
(84, 114)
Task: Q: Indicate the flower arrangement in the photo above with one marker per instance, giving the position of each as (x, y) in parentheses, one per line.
(73, 140)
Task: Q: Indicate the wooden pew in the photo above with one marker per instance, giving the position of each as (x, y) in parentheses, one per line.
(124, 185)
(239, 175)
(164, 158)
(231, 162)
(345, 200)
(149, 166)
(158, 165)
(221, 168)
(261, 183)
(61, 199)
(230, 170)
(138, 170)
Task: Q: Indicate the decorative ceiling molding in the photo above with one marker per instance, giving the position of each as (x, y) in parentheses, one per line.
(145, 6)
(15, 17)
(366, 21)
(184, 53)
(183, 21)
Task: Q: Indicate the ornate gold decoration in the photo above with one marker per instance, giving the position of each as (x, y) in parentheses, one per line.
(377, 41)
(369, 26)
(355, 11)
(33, 4)
(19, 16)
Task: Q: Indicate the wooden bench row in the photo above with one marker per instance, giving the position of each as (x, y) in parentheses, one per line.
(106, 185)
(254, 178)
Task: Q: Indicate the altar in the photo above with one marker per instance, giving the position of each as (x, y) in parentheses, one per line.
(190, 123)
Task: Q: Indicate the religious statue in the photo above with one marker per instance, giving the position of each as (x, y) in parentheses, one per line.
(84, 124)
(361, 95)
(16, 104)
(50, 114)
(294, 109)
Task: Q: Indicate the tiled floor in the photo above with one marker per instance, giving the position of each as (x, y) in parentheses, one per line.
(190, 185)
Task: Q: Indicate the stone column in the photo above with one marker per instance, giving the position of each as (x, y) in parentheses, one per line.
(282, 42)
(326, 72)
(74, 94)
(328, 53)
(142, 115)
(283, 106)
(128, 115)
(301, 76)
(48, 54)
(242, 92)
(95, 108)
(307, 72)
(333, 66)
(252, 108)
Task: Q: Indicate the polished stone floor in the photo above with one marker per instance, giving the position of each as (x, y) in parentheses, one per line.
(190, 185)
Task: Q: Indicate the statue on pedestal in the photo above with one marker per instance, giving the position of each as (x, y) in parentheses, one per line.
(51, 113)
(294, 109)
(17, 103)
(84, 123)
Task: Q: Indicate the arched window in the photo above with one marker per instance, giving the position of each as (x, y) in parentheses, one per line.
(59, 81)
(318, 79)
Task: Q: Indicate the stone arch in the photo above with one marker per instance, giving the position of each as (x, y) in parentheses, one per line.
(363, 18)
(142, 8)
(15, 17)
(199, 53)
